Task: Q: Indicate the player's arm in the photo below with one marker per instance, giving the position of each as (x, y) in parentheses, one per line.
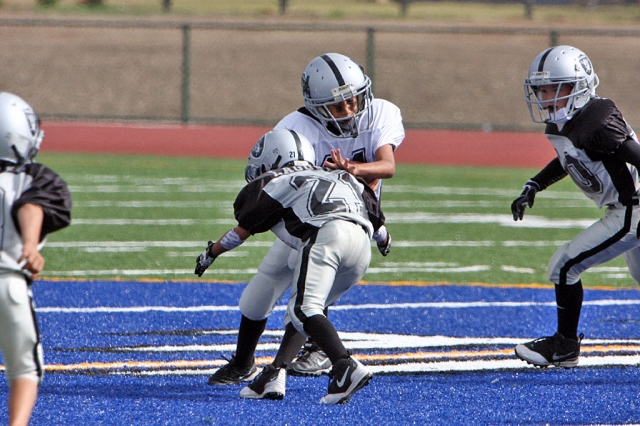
(50, 192)
(384, 167)
(230, 240)
(629, 152)
(255, 212)
(30, 218)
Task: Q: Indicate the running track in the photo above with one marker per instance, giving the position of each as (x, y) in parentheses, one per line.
(437, 147)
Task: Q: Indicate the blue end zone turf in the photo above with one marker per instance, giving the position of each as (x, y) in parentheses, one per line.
(140, 353)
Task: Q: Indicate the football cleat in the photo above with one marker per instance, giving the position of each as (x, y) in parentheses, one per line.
(271, 383)
(312, 361)
(232, 374)
(551, 350)
(346, 378)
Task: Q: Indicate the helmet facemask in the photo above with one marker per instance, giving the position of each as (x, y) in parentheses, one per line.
(345, 127)
(547, 111)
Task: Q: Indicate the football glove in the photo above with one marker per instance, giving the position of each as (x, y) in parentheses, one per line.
(525, 199)
(385, 248)
(204, 260)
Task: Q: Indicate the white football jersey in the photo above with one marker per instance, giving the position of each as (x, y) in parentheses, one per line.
(386, 129)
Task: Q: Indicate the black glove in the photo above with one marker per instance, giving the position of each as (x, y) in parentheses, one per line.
(385, 248)
(525, 199)
(204, 260)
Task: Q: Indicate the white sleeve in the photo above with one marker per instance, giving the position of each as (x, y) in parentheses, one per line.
(390, 131)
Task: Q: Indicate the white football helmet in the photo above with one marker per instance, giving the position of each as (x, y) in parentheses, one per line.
(276, 149)
(20, 134)
(332, 78)
(557, 66)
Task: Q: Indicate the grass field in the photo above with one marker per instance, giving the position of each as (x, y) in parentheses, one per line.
(149, 217)
(445, 12)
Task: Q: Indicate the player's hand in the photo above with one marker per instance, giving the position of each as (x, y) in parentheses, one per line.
(385, 247)
(31, 260)
(338, 162)
(204, 260)
(525, 199)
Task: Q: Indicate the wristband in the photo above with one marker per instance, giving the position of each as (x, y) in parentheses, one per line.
(380, 236)
(231, 240)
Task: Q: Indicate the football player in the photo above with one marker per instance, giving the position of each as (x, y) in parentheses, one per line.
(35, 202)
(600, 152)
(349, 130)
(328, 218)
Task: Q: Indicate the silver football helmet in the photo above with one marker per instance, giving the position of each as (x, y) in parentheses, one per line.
(276, 149)
(20, 134)
(558, 66)
(333, 78)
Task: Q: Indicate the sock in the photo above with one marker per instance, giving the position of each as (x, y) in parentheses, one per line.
(569, 300)
(325, 334)
(291, 344)
(248, 336)
(310, 340)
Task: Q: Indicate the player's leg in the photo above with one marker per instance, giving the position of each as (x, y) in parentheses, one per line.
(632, 259)
(23, 393)
(608, 238)
(20, 345)
(328, 266)
(311, 361)
(271, 382)
(256, 304)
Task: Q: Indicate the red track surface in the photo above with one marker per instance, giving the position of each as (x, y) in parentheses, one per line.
(443, 147)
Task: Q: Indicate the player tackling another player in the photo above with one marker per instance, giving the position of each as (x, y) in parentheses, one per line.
(35, 202)
(601, 154)
(328, 217)
(350, 130)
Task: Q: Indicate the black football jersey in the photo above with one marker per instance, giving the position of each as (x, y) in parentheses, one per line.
(585, 147)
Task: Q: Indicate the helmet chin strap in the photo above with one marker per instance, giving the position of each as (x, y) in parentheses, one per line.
(559, 116)
(21, 160)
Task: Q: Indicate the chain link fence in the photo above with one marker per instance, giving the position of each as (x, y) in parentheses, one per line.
(207, 72)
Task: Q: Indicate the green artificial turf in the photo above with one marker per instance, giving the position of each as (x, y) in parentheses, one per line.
(141, 217)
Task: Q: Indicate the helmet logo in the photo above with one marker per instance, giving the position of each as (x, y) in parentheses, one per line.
(276, 163)
(306, 92)
(256, 152)
(586, 64)
(32, 119)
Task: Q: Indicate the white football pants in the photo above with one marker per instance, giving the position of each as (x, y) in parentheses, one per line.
(19, 338)
(329, 265)
(614, 235)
